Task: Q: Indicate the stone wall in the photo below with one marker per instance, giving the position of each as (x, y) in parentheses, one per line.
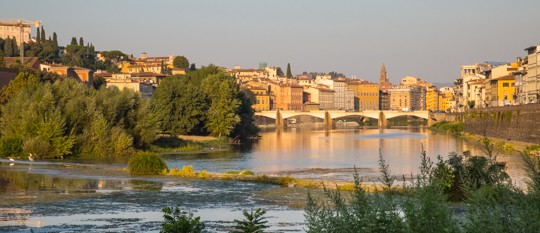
(518, 123)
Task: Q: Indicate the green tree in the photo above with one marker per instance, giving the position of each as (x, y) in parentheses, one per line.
(180, 105)
(43, 38)
(181, 62)
(8, 47)
(289, 73)
(73, 41)
(221, 89)
(246, 128)
(38, 36)
(177, 221)
(254, 222)
(81, 41)
(55, 42)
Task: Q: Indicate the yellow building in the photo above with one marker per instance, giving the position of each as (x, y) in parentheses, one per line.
(262, 99)
(366, 95)
(432, 99)
(446, 100)
(502, 91)
(135, 68)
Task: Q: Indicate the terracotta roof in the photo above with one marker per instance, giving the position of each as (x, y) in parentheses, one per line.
(28, 61)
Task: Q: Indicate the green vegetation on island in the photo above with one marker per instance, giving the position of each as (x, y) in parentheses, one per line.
(51, 116)
(452, 127)
(146, 163)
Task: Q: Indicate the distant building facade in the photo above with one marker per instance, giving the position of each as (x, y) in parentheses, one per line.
(13, 30)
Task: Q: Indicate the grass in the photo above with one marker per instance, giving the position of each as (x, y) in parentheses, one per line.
(452, 127)
(146, 163)
(174, 144)
(285, 181)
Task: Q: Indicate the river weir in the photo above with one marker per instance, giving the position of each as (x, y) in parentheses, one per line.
(68, 196)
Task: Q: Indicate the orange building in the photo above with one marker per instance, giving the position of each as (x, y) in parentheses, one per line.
(288, 97)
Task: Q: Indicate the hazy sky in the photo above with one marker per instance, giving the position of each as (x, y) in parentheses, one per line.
(424, 38)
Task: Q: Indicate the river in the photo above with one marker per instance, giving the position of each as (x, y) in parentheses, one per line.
(72, 196)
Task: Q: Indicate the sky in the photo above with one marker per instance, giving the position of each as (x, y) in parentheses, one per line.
(423, 38)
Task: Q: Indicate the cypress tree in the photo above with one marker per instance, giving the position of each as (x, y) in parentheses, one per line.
(289, 73)
(8, 49)
(81, 41)
(73, 41)
(55, 41)
(14, 47)
(38, 36)
(42, 34)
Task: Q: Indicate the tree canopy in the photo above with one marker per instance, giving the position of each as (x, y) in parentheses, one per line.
(204, 101)
(65, 117)
(181, 62)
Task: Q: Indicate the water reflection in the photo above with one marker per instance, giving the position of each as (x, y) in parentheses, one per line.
(311, 151)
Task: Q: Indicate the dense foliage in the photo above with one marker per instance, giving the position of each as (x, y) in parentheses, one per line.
(62, 117)
(177, 221)
(146, 163)
(453, 127)
(493, 204)
(181, 62)
(204, 101)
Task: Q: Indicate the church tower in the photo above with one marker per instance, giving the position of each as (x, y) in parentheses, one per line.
(383, 79)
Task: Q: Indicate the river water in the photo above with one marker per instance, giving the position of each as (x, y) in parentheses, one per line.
(80, 196)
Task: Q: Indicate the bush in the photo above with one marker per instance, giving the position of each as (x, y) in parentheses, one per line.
(453, 127)
(177, 221)
(146, 163)
(254, 222)
(11, 147)
(187, 171)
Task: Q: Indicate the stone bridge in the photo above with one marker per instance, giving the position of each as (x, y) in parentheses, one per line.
(330, 115)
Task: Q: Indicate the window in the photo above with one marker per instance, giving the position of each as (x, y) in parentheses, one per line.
(505, 85)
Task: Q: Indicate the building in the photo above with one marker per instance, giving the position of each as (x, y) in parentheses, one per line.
(502, 91)
(531, 85)
(262, 99)
(343, 97)
(12, 29)
(384, 85)
(287, 96)
(323, 96)
(405, 98)
(476, 94)
(468, 74)
(366, 95)
(432, 99)
(246, 75)
(145, 89)
(305, 80)
(447, 102)
(81, 74)
(139, 68)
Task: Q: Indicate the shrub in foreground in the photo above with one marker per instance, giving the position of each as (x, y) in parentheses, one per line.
(146, 163)
(177, 221)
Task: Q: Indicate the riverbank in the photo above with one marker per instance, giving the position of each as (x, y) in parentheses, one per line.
(184, 144)
(500, 144)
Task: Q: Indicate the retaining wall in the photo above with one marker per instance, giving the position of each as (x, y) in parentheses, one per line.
(518, 123)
